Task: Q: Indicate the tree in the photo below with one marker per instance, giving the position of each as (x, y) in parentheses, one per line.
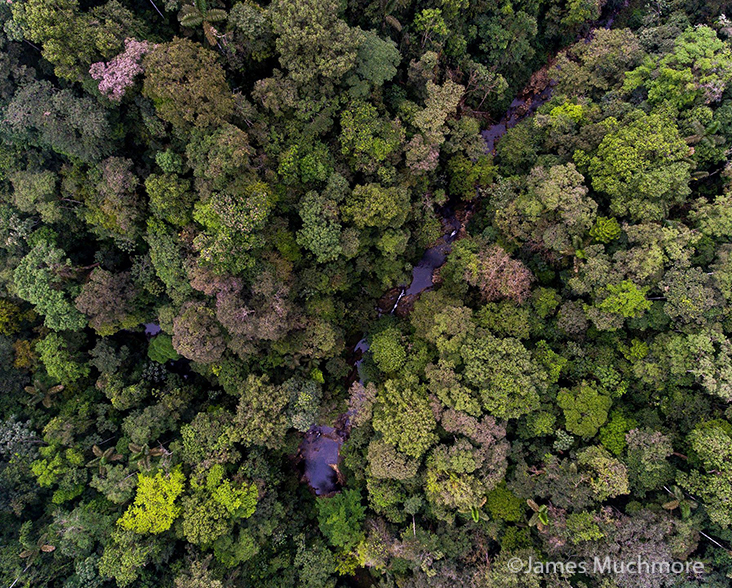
(154, 509)
(119, 74)
(469, 177)
(260, 417)
(385, 462)
(214, 504)
(77, 531)
(197, 575)
(373, 205)
(713, 218)
(608, 476)
(61, 363)
(63, 468)
(305, 398)
(712, 484)
(498, 276)
(505, 38)
(36, 192)
(306, 162)
(582, 11)
(482, 83)
(641, 165)
(423, 149)
(598, 66)
(697, 70)
(617, 302)
(321, 230)
(648, 468)
(268, 315)
(605, 230)
(448, 386)
(252, 30)
(232, 219)
(403, 416)
(315, 46)
(655, 248)
(613, 433)
(197, 335)
(112, 205)
(690, 295)
(368, 140)
(505, 375)
(448, 491)
(504, 504)
(125, 556)
(444, 323)
(102, 459)
(377, 59)
(72, 40)
(43, 394)
(499, 573)
(315, 564)
(361, 403)
(585, 409)
(37, 279)
(704, 357)
(387, 350)
(42, 115)
(171, 198)
(198, 13)
(459, 475)
(554, 210)
(209, 437)
(145, 425)
(340, 519)
(187, 85)
(107, 300)
(221, 158)
(432, 25)
(168, 259)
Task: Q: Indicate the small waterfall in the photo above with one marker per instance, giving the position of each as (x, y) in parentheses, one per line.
(401, 294)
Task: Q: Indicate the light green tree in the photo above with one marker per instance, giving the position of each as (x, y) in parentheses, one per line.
(155, 508)
(641, 164)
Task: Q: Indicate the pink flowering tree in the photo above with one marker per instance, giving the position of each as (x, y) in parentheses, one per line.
(119, 74)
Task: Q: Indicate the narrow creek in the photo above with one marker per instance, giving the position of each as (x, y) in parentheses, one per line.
(319, 452)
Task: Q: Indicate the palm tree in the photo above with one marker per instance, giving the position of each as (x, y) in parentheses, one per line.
(387, 8)
(40, 393)
(540, 518)
(33, 551)
(680, 501)
(142, 454)
(197, 14)
(103, 458)
(706, 136)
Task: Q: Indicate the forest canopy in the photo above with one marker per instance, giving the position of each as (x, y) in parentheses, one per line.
(480, 251)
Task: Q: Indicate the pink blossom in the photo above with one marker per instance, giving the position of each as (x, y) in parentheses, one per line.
(119, 74)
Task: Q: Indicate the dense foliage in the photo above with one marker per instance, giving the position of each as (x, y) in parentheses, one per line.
(250, 179)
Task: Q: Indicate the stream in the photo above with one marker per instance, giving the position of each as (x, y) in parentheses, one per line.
(319, 452)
